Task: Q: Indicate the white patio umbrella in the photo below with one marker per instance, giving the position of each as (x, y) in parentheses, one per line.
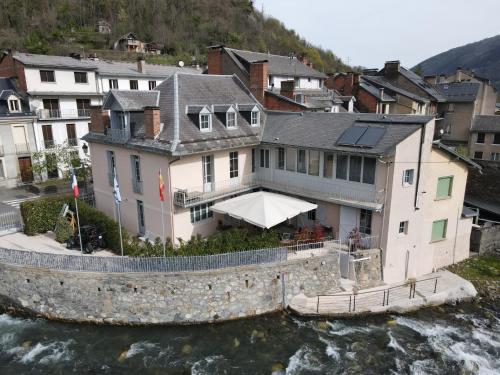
(262, 208)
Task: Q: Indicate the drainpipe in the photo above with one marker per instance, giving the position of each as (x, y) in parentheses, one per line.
(382, 261)
(417, 185)
(456, 231)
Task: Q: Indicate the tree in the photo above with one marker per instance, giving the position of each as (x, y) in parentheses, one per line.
(61, 158)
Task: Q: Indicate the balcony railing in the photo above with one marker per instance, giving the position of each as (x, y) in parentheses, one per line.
(196, 195)
(118, 135)
(73, 141)
(22, 148)
(46, 114)
(327, 191)
(48, 143)
(137, 186)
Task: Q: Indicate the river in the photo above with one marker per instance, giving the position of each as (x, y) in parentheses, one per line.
(462, 339)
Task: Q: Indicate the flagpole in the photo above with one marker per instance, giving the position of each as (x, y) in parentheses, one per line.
(118, 199)
(78, 223)
(163, 228)
(120, 226)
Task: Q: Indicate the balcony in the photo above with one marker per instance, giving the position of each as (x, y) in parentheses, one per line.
(137, 186)
(340, 192)
(49, 114)
(73, 141)
(48, 143)
(118, 135)
(22, 148)
(200, 194)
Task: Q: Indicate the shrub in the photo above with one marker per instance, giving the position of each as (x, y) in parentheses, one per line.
(41, 215)
(63, 230)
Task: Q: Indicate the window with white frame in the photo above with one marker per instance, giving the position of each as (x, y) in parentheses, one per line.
(403, 227)
(313, 165)
(408, 177)
(264, 158)
(280, 158)
(152, 84)
(47, 76)
(301, 161)
(233, 164)
(365, 221)
(255, 118)
(205, 122)
(201, 212)
(231, 119)
(113, 84)
(14, 105)
(81, 77)
(291, 159)
(328, 164)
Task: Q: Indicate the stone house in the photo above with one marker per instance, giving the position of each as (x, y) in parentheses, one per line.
(380, 175)
(484, 140)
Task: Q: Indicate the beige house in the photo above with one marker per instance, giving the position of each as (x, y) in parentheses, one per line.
(380, 175)
(484, 141)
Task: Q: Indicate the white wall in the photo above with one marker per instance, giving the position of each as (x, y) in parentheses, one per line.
(124, 82)
(64, 81)
(304, 83)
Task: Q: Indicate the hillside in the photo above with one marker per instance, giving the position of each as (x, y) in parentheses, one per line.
(184, 27)
(482, 56)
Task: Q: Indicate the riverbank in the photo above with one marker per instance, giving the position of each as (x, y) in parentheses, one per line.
(483, 272)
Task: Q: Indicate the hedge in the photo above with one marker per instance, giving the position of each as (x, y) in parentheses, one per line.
(41, 215)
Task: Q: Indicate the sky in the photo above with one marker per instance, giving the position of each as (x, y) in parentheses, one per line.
(369, 32)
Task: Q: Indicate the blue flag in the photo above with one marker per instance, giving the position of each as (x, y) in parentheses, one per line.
(116, 190)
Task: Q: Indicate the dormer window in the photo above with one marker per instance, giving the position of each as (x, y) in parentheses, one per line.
(231, 118)
(14, 105)
(255, 118)
(205, 122)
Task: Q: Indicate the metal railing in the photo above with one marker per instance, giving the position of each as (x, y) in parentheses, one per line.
(118, 135)
(10, 220)
(22, 148)
(141, 264)
(137, 186)
(199, 194)
(48, 143)
(46, 114)
(365, 301)
(73, 141)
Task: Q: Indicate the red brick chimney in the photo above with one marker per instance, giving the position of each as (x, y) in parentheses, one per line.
(214, 60)
(99, 119)
(152, 122)
(288, 89)
(258, 79)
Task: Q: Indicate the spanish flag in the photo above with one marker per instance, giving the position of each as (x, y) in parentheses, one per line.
(161, 185)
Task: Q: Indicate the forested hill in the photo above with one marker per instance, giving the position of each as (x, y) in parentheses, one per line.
(184, 27)
(483, 57)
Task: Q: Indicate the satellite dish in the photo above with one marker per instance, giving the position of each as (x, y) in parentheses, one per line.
(180, 63)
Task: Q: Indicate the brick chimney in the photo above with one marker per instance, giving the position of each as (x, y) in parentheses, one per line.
(288, 89)
(141, 64)
(370, 72)
(214, 60)
(99, 119)
(152, 122)
(258, 79)
(391, 68)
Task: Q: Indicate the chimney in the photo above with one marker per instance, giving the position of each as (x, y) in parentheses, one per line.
(258, 79)
(141, 64)
(459, 75)
(152, 122)
(288, 89)
(370, 72)
(99, 119)
(391, 68)
(214, 59)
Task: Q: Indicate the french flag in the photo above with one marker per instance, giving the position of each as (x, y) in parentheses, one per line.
(74, 184)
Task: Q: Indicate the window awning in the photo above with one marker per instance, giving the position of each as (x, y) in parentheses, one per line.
(262, 208)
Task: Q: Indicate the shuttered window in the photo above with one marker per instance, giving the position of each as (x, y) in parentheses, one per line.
(439, 230)
(444, 187)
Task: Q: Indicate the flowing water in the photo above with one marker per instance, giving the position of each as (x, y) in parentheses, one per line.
(462, 339)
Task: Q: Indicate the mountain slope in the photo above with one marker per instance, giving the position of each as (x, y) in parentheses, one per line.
(184, 27)
(482, 56)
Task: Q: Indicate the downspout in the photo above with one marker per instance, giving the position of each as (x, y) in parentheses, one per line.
(456, 232)
(383, 216)
(171, 199)
(422, 138)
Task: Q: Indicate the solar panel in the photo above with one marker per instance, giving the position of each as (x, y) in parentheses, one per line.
(351, 135)
(370, 137)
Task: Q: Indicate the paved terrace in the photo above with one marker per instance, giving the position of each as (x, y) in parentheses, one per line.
(429, 290)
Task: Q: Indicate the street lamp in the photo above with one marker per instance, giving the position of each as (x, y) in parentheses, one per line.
(85, 149)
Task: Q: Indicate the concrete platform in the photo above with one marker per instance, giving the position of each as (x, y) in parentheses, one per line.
(449, 288)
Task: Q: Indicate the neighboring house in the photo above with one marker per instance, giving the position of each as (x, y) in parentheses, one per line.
(269, 78)
(103, 27)
(17, 140)
(129, 43)
(212, 140)
(61, 90)
(484, 141)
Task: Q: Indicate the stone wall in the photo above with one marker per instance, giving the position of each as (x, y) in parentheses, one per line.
(486, 240)
(146, 298)
(368, 272)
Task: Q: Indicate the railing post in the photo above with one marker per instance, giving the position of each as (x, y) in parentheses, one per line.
(435, 285)
(354, 304)
(317, 306)
(411, 286)
(414, 289)
(350, 297)
(387, 303)
(383, 299)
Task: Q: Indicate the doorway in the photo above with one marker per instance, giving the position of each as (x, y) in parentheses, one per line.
(348, 221)
(25, 169)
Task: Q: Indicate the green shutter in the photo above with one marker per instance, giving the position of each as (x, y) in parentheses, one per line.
(439, 230)
(444, 187)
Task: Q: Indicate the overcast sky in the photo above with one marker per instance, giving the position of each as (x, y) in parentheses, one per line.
(369, 32)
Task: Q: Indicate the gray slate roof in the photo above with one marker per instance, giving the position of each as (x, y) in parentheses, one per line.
(486, 123)
(108, 68)
(380, 81)
(132, 100)
(419, 81)
(48, 61)
(278, 65)
(459, 91)
(322, 130)
(8, 88)
(375, 91)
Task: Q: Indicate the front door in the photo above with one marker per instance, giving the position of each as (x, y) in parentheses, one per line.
(348, 221)
(207, 164)
(25, 169)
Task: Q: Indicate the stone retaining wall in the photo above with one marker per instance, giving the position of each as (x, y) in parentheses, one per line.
(486, 240)
(179, 298)
(368, 272)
